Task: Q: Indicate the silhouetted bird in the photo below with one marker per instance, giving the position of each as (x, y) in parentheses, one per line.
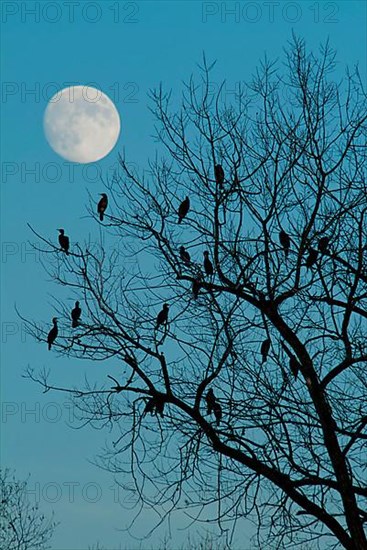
(64, 241)
(219, 174)
(210, 400)
(217, 409)
(162, 316)
(183, 209)
(184, 255)
(323, 244)
(52, 335)
(159, 407)
(195, 288)
(265, 347)
(293, 361)
(208, 266)
(311, 258)
(149, 407)
(154, 406)
(102, 205)
(75, 315)
(285, 241)
(294, 366)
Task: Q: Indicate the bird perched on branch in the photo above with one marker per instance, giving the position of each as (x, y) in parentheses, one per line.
(183, 209)
(162, 317)
(311, 258)
(212, 406)
(210, 400)
(219, 174)
(75, 315)
(208, 266)
(285, 241)
(264, 350)
(184, 255)
(149, 407)
(294, 366)
(52, 335)
(64, 241)
(154, 406)
(102, 206)
(323, 245)
(196, 284)
(217, 409)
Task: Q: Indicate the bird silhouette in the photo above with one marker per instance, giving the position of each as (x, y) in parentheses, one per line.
(159, 407)
(102, 205)
(162, 316)
(293, 361)
(64, 241)
(184, 255)
(264, 350)
(219, 174)
(208, 266)
(217, 409)
(149, 407)
(154, 406)
(183, 209)
(311, 258)
(196, 284)
(294, 366)
(52, 335)
(323, 244)
(285, 241)
(75, 315)
(212, 406)
(210, 400)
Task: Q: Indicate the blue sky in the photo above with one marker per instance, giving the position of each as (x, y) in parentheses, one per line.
(124, 49)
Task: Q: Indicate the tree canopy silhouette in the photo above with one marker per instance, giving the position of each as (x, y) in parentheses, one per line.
(277, 333)
(22, 525)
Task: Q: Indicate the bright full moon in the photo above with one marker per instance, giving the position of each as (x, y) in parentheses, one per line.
(81, 124)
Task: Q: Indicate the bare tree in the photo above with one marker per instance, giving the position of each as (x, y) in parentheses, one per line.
(274, 324)
(22, 525)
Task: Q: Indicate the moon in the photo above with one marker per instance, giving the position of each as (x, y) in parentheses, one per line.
(81, 124)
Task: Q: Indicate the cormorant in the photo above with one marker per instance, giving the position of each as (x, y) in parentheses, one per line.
(184, 255)
(159, 407)
(75, 315)
(64, 241)
(285, 241)
(323, 244)
(195, 288)
(264, 350)
(154, 406)
(210, 401)
(102, 205)
(162, 316)
(219, 174)
(293, 361)
(217, 409)
(183, 209)
(311, 258)
(294, 366)
(208, 266)
(52, 335)
(149, 407)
